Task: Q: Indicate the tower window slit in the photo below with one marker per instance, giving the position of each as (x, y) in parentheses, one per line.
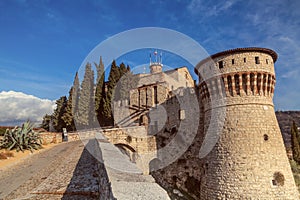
(258, 83)
(264, 82)
(269, 83)
(229, 85)
(237, 84)
(244, 82)
(252, 82)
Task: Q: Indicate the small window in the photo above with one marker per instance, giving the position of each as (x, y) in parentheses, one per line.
(244, 60)
(221, 64)
(181, 114)
(155, 95)
(256, 60)
(267, 61)
(232, 61)
(278, 179)
(266, 137)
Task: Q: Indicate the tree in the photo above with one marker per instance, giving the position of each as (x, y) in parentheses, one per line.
(127, 82)
(46, 122)
(84, 113)
(295, 142)
(122, 70)
(114, 76)
(58, 122)
(100, 90)
(75, 94)
(68, 114)
(92, 111)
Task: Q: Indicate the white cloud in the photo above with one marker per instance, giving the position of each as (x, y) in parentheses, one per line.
(209, 8)
(17, 107)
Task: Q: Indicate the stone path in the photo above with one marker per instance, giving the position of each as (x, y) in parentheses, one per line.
(78, 171)
(66, 171)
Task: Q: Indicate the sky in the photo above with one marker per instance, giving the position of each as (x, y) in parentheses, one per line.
(43, 43)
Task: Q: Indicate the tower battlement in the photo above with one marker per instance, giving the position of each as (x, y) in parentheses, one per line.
(241, 76)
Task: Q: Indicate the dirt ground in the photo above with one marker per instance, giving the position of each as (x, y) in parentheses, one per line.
(20, 156)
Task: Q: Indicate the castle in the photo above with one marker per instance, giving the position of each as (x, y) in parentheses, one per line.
(237, 151)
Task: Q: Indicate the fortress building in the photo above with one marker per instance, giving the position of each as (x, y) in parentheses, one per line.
(249, 160)
(237, 151)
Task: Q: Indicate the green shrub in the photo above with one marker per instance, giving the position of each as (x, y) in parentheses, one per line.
(2, 130)
(21, 138)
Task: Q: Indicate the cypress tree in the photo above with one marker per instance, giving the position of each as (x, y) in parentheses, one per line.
(295, 142)
(46, 122)
(84, 102)
(113, 78)
(75, 94)
(122, 70)
(92, 111)
(68, 114)
(100, 91)
(58, 122)
(125, 84)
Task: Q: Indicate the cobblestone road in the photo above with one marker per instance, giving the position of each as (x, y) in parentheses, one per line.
(66, 171)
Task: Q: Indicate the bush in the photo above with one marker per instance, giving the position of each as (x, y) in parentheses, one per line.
(2, 130)
(21, 138)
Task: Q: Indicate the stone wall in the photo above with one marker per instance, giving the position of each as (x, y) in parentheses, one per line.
(53, 137)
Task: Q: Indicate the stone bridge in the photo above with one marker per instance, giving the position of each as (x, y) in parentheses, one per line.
(132, 141)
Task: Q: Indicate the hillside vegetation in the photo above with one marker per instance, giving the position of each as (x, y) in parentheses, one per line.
(285, 121)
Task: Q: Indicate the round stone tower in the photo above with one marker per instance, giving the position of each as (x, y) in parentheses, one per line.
(245, 156)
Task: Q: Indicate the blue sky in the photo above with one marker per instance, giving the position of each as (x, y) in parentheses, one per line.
(43, 43)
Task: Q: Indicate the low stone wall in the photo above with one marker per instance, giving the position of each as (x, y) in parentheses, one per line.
(52, 137)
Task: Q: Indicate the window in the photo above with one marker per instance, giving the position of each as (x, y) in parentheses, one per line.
(256, 60)
(181, 114)
(244, 60)
(244, 83)
(139, 99)
(252, 83)
(267, 61)
(221, 64)
(155, 95)
(229, 82)
(237, 84)
(278, 179)
(232, 61)
(266, 137)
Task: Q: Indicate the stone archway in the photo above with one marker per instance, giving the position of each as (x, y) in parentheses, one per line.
(128, 151)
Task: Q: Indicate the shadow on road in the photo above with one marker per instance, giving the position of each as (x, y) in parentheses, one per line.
(90, 180)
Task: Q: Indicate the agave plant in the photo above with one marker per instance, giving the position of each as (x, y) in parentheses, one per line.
(21, 138)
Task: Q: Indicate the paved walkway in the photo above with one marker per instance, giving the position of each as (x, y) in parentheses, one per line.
(66, 171)
(69, 171)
